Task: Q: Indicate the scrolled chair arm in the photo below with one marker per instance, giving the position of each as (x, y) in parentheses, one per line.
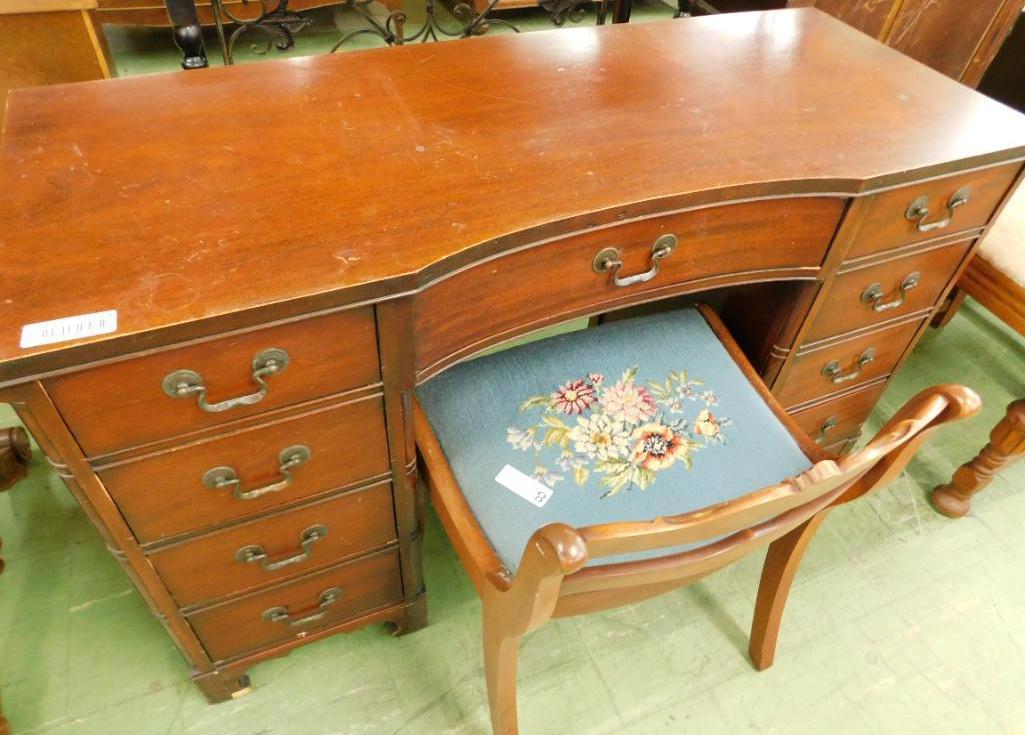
(909, 428)
(527, 599)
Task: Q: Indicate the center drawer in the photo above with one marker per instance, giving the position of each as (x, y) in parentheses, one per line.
(135, 402)
(277, 547)
(612, 266)
(242, 474)
(295, 608)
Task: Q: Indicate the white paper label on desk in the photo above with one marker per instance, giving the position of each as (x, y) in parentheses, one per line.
(68, 328)
(524, 485)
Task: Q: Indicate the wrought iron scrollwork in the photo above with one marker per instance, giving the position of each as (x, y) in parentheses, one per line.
(275, 21)
(393, 29)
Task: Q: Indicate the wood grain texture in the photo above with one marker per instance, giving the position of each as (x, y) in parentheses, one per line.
(239, 626)
(164, 495)
(845, 415)
(806, 380)
(123, 404)
(108, 219)
(207, 569)
(886, 227)
(762, 240)
(846, 310)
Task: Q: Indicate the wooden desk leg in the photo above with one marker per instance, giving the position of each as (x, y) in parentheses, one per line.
(188, 34)
(15, 453)
(1006, 445)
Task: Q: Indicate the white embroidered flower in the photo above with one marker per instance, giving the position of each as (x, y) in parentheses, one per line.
(522, 439)
(599, 437)
(546, 476)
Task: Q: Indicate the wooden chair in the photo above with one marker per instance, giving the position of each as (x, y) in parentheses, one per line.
(995, 278)
(569, 568)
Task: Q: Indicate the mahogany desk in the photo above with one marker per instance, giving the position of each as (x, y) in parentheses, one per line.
(291, 247)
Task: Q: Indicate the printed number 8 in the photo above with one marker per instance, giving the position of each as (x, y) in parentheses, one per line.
(540, 498)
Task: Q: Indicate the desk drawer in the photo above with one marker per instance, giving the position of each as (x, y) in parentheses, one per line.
(278, 547)
(499, 298)
(172, 492)
(839, 418)
(865, 296)
(125, 404)
(295, 608)
(887, 224)
(840, 366)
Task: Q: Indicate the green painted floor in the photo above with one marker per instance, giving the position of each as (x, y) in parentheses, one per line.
(901, 621)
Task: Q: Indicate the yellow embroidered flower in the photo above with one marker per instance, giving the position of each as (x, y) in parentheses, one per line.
(706, 425)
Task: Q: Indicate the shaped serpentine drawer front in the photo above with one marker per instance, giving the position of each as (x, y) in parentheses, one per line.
(173, 392)
(211, 482)
(932, 209)
(866, 295)
(615, 265)
(300, 606)
(823, 371)
(277, 547)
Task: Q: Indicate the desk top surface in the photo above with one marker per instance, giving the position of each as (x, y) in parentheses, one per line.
(261, 191)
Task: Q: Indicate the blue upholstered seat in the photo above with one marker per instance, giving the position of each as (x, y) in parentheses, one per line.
(627, 421)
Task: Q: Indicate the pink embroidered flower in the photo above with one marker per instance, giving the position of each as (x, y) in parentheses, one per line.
(596, 378)
(626, 402)
(656, 447)
(574, 397)
(706, 425)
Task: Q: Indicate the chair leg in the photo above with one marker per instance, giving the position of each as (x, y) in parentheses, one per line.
(781, 563)
(501, 654)
(1006, 445)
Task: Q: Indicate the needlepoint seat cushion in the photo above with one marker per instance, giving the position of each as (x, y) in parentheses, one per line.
(626, 421)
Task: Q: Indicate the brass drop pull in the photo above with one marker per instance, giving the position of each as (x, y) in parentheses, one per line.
(918, 210)
(280, 614)
(827, 426)
(874, 293)
(188, 383)
(255, 554)
(609, 260)
(219, 478)
(833, 372)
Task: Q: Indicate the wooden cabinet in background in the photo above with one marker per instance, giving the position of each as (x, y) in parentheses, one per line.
(50, 42)
(957, 38)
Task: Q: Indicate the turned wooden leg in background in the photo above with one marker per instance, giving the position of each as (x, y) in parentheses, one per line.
(4, 727)
(15, 453)
(1006, 445)
(188, 34)
(781, 563)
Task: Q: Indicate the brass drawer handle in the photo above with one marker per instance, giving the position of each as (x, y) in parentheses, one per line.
(609, 259)
(918, 210)
(827, 426)
(218, 478)
(874, 293)
(255, 554)
(833, 372)
(186, 383)
(281, 615)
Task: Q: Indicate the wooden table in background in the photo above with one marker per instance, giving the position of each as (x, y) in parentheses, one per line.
(50, 42)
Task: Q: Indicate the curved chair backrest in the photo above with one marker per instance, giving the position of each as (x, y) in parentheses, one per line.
(725, 532)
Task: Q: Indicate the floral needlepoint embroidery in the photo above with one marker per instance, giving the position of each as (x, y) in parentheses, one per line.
(624, 432)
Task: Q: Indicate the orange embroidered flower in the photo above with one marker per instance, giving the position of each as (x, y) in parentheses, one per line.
(656, 446)
(574, 397)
